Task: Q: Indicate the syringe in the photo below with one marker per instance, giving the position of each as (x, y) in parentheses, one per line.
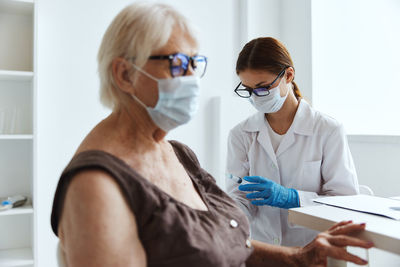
(235, 178)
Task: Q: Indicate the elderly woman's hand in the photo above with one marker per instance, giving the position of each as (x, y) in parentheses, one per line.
(332, 243)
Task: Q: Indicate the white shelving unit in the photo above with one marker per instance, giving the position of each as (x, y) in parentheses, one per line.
(16, 137)
(17, 130)
(7, 75)
(27, 209)
(16, 257)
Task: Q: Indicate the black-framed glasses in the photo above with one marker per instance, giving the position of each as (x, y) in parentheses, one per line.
(179, 64)
(245, 92)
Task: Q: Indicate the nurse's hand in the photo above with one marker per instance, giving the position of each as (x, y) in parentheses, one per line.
(267, 192)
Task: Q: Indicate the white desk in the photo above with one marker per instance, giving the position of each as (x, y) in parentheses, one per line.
(385, 233)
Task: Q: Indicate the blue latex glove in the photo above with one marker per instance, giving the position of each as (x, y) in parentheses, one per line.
(270, 193)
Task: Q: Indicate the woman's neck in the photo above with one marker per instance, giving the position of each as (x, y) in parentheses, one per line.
(126, 130)
(132, 125)
(281, 121)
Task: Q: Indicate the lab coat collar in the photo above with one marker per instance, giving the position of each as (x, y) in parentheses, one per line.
(303, 122)
(263, 139)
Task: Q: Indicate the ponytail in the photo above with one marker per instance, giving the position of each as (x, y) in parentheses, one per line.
(296, 91)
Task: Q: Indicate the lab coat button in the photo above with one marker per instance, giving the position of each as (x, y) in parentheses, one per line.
(233, 223)
(248, 243)
(276, 241)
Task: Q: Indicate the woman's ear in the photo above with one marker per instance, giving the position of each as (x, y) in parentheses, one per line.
(289, 75)
(121, 70)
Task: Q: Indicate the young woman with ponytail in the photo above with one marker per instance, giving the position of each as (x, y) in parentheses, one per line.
(287, 153)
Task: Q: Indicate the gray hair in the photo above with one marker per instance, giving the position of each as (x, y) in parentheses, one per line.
(137, 31)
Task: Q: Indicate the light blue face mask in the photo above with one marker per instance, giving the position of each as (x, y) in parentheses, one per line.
(178, 100)
(271, 103)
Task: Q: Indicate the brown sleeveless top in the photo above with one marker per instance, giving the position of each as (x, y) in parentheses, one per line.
(172, 233)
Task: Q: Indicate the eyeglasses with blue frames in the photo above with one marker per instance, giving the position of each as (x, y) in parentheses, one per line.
(179, 64)
(246, 92)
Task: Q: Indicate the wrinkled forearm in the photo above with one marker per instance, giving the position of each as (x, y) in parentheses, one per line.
(265, 255)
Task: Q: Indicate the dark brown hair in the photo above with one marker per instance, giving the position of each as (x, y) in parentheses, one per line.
(266, 53)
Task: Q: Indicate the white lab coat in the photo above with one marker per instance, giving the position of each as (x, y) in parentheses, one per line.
(313, 157)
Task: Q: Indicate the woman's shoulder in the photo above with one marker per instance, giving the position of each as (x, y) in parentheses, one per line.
(190, 162)
(95, 158)
(87, 172)
(184, 152)
(102, 168)
(324, 123)
(93, 200)
(250, 124)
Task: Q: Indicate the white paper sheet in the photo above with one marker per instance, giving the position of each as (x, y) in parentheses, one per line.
(369, 204)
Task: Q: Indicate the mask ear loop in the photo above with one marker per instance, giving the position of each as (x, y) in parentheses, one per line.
(148, 75)
(138, 100)
(291, 85)
(145, 73)
(287, 93)
(289, 88)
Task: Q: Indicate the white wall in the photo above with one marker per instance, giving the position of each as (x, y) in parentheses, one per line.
(69, 34)
(295, 21)
(356, 57)
(354, 78)
(377, 162)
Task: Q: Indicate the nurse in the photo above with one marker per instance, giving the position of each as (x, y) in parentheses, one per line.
(287, 153)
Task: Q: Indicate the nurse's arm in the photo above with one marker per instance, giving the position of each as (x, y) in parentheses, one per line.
(337, 169)
(330, 243)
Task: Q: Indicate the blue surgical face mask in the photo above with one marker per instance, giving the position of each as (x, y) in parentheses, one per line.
(271, 103)
(178, 100)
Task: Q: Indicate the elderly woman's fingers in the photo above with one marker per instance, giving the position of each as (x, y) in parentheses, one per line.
(336, 225)
(340, 253)
(334, 246)
(342, 241)
(347, 229)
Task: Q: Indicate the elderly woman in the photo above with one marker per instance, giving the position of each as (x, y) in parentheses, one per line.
(131, 198)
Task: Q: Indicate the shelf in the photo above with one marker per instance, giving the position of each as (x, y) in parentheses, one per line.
(9, 75)
(23, 1)
(27, 209)
(16, 257)
(18, 53)
(16, 137)
(24, 7)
